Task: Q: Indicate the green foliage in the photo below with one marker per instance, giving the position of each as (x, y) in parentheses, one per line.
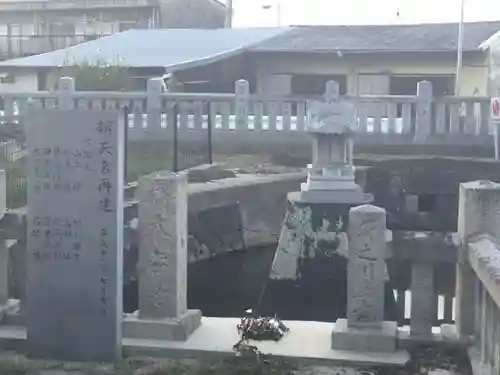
(94, 76)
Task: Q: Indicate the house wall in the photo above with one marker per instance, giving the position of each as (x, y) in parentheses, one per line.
(274, 71)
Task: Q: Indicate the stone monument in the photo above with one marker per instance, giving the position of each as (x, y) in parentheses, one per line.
(307, 278)
(75, 234)
(163, 258)
(364, 329)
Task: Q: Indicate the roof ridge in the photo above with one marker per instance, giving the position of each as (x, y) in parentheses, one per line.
(399, 24)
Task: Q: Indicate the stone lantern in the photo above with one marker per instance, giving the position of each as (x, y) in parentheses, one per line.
(332, 125)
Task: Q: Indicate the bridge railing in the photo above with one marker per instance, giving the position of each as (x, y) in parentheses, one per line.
(478, 272)
(249, 118)
(422, 272)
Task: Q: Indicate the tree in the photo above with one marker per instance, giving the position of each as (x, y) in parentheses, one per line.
(98, 76)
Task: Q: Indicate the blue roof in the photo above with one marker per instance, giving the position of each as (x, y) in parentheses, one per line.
(169, 48)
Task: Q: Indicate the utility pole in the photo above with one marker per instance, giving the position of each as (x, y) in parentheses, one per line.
(460, 47)
(229, 14)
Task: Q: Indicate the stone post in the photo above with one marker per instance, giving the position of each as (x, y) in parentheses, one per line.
(66, 93)
(163, 312)
(477, 205)
(242, 92)
(365, 328)
(155, 87)
(423, 124)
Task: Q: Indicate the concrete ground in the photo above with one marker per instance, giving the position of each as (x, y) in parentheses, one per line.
(307, 342)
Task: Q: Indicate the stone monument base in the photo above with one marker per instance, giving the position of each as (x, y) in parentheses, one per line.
(168, 329)
(379, 340)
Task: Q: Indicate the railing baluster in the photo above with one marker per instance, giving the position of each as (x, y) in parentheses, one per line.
(197, 115)
(484, 329)
(484, 117)
(97, 104)
(170, 114)
(407, 121)
(392, 111)
(448, 309)
(258, 109)
(286, 116)
(377, 117)
(184, 122)
(423, 301)
(470, 126)
(225, 108)
(454, 118)
(496, 339)
(110, 105)
(490, 307)
(477, 315)
(138, 110)
(82, 104)
(272, 112)
(301, 116)
(363, 118)
(440, 117)
(401, 306)
(241, 105)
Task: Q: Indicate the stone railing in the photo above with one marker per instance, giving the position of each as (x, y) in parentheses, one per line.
(422, 270)
(478, 273)
(272, 119)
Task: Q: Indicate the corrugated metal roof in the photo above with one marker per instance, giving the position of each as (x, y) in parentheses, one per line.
(169, 48)
(385, 38)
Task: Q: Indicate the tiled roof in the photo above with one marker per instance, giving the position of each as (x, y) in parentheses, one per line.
(420, 37)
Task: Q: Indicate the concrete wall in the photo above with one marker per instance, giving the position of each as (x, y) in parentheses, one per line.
(475, 69)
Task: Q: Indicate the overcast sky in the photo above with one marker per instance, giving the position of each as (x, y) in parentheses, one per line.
(312, 12)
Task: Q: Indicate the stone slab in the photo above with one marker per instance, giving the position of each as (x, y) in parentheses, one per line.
(75, 234)
(176, 329)
(365, 340)
(308, 342)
